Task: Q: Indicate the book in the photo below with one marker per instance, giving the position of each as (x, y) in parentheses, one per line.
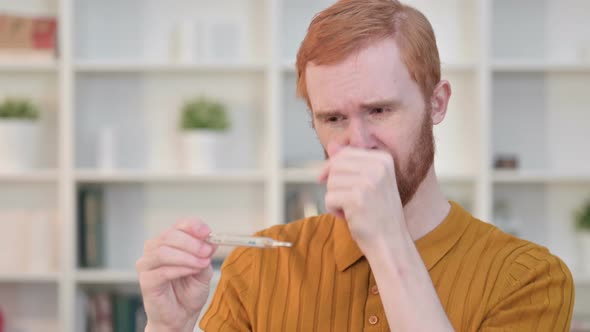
(90, 227)
(28, 38)
(109, 311)
(122, 317)
(99, 313)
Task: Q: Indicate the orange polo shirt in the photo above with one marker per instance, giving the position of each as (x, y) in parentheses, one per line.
(486, 280)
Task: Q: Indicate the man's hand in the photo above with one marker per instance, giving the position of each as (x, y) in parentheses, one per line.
(174, 274)
(362, 188)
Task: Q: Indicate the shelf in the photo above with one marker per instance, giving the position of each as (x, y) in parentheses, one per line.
(104, 276)
(137, 67)
(539, 66)
(310, 175)
(301, 175)
(230, 176)
(456, 178)
(29, 277)
(522, 176)
(116, 277)
(289, 67)
(32, 67)
(29, 176)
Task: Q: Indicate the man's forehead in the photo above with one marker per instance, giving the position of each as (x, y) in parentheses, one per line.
(375, 72)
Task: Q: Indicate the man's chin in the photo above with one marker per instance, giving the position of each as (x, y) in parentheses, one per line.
(408, 194)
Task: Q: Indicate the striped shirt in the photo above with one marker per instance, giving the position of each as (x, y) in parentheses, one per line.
(486, 280)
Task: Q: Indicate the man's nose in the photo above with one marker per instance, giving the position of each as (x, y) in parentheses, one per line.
(360, 135)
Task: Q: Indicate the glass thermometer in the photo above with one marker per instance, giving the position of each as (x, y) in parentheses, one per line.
(246, 241)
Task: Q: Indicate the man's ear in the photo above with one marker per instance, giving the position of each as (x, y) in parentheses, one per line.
(439, 101)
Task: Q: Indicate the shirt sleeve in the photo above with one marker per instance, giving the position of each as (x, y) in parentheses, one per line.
(228, 309)
(538, 296)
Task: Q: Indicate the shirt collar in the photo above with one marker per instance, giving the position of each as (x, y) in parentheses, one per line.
(438, 242)
(346, 251)
(432, 246)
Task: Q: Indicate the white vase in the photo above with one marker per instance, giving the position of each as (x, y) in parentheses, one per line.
(584, 242)
(198, 150)
(19, 144)
(184, 49)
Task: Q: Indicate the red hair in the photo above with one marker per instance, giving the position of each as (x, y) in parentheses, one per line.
(348, 26)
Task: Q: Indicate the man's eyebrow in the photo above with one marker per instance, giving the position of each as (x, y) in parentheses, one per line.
(324, 114)
(327, 113)
(391, 103)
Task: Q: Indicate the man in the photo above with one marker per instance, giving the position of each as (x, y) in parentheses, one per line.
(393, 253)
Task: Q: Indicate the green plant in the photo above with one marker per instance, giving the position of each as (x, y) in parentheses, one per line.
(583, 217)
(203, 113)
(15, 108)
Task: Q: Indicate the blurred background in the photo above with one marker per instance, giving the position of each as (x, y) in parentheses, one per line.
(117, 118)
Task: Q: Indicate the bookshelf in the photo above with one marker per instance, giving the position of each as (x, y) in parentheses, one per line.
(16, 67)
(230, 176)
(540, 66)
(101, 277)
(30, 278)
(41, 176)
(116, 69)
(132, 67)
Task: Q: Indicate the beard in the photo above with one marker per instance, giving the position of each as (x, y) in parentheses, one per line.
(419, 162)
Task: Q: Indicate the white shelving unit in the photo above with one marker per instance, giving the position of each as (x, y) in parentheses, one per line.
(101, 277)
(229, 177)
(519, 87)
(540, 66)
(134, 67)
(289, 67)
(16, 67)
(30, 177)
(540, 177)
(30, 278)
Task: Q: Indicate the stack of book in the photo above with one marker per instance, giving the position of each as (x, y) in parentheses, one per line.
(27, 38)
(114, 312)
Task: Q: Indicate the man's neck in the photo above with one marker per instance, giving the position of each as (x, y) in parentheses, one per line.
(427, 209)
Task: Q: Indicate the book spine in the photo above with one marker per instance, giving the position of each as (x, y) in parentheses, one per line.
(24, 38)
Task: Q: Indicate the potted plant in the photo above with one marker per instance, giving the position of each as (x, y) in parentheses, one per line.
(583, 226)
(203, 122)
(19, 133)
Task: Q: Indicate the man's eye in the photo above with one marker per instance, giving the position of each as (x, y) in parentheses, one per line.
(378, 110)
(333, 119)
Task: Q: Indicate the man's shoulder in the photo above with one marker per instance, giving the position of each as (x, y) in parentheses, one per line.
(518, 259)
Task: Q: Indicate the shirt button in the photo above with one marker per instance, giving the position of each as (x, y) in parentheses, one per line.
(375, 290)
(373, 320)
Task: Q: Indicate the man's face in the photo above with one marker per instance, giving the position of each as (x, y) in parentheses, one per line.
(370, 101)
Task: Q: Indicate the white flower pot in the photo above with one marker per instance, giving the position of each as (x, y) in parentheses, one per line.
(584, 242)
(19, 145)
(198, 150)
